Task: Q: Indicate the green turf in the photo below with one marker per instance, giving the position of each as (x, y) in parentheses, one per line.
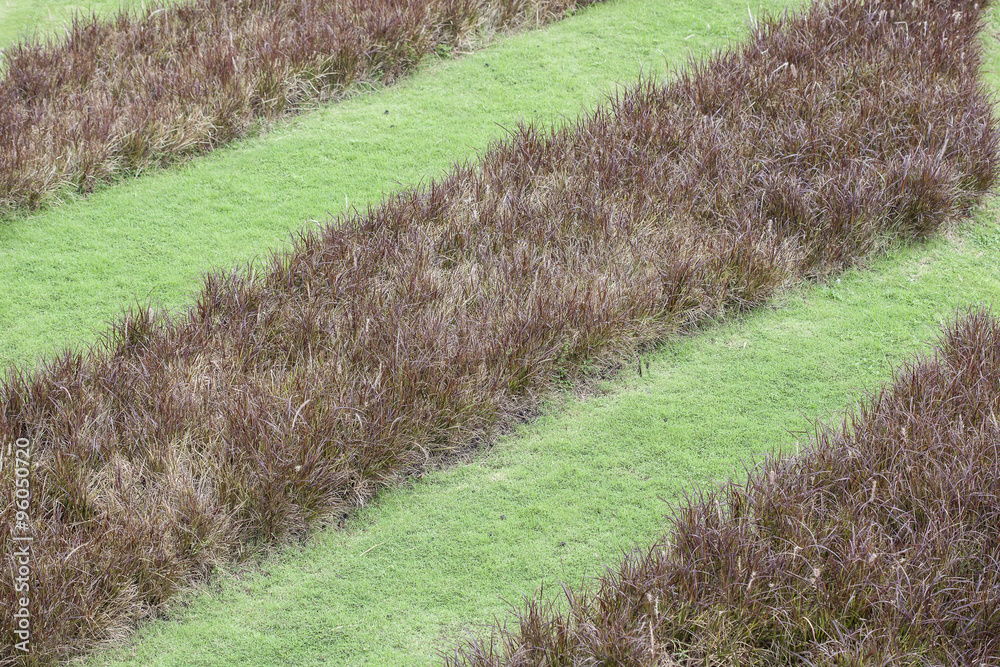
(430, 561)
(437, 559)
(427, 563)
(69, 270)
(45, 18)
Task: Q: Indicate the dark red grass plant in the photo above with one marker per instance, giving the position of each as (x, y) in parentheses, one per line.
(877, 545)
(290, 395)
(153, 85)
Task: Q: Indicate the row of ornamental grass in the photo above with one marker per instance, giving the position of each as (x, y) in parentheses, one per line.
(878, 544)
(116, 97)
(289, 395)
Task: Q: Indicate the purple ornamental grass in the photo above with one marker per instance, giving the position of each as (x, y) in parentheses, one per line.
(288, 396)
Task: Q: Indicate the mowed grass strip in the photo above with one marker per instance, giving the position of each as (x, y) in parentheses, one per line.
(431, 564)
(31, 19)
(114, 98)
(292, 394)
(891, 574)
(70, 270)
(580, 484)
(92, 262)
(877, 544)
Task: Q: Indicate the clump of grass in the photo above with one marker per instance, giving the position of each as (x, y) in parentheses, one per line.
(878, 544)
(156, 84)
(291, 394)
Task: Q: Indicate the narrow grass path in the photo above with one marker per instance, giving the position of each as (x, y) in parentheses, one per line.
(425, 564)
(429, 562)
(69, 270)
(24, 18)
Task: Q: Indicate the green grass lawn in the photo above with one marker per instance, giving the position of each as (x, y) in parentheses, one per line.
(23, 18)
(569, 492)
(429, 562)
(67, 271)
